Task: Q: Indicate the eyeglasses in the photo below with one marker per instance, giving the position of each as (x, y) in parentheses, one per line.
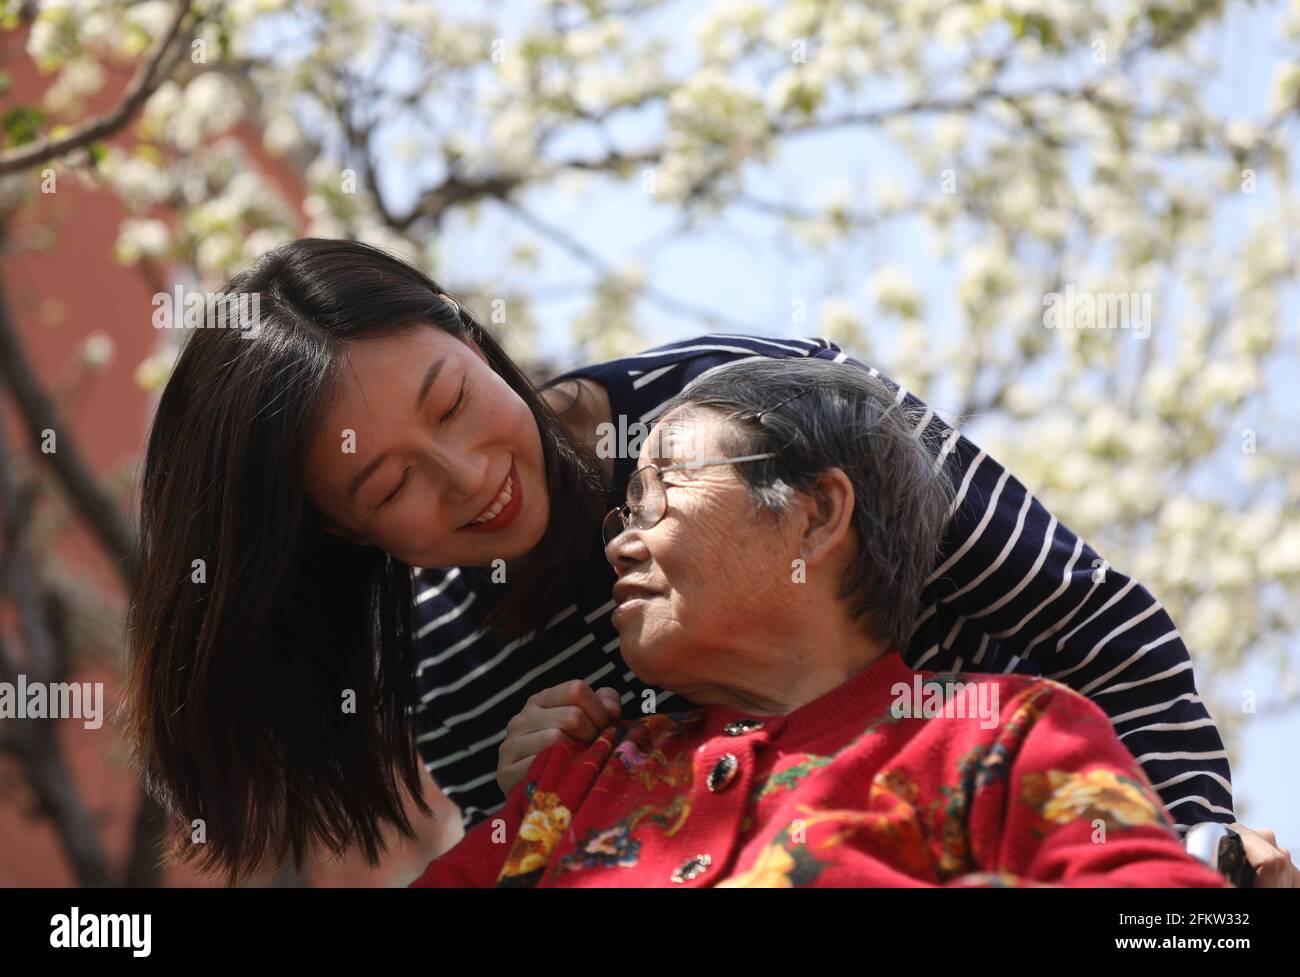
(646, 499)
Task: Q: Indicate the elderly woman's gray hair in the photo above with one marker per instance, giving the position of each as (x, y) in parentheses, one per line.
(817, 415)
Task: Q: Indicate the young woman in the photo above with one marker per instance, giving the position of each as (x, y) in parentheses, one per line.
(365, 533)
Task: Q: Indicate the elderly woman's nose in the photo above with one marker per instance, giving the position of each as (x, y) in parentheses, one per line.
(625, 551)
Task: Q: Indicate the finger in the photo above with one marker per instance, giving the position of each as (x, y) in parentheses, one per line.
(594, 707)
(510, 777)
(574, 693)
(523, 747)
(564, 694)
(518, 753)
(612, 701)
(1263, 857)
(574, 722)
(1261, 838)
(601, 707)
(1257, 849)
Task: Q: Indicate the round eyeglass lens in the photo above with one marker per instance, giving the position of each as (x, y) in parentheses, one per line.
(645, 498)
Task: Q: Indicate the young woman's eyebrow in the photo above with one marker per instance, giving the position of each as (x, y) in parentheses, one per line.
(430, 375)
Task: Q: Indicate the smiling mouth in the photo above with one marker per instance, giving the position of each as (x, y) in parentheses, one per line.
(506, 494)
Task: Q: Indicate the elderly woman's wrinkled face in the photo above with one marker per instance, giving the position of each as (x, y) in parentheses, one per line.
(716, 575)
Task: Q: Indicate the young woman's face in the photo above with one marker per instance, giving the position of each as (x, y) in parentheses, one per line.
(424, 439)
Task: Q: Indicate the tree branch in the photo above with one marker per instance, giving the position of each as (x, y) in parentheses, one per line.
(145, 82)
(39, 414)
(584, 254)
(35, 742)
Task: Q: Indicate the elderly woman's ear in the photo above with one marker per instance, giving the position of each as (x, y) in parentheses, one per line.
(825, 518)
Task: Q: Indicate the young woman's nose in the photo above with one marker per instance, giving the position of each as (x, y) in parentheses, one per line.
(464, 474)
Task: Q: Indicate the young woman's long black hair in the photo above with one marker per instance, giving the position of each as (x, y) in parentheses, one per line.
(238, 664)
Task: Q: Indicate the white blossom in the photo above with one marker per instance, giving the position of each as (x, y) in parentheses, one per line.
(894, 291)
(142, 238)
(97, 349)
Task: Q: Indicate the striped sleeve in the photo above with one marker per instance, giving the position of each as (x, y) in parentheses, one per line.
(1015, 590)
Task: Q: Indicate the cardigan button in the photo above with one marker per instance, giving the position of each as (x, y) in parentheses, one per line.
(742, 726)
(691, 868)
(723, 772)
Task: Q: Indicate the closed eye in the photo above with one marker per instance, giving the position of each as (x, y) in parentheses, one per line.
(406, 475)
(397, 489)
(456, 406)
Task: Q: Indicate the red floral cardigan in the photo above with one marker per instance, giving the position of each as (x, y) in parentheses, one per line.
(894, 778)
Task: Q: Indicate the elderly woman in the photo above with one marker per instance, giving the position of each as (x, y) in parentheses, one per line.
(770, 560)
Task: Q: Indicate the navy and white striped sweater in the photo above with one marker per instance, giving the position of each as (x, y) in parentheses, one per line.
(1013, 590)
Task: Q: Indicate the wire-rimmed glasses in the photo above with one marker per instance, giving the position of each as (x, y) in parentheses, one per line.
(647, 501)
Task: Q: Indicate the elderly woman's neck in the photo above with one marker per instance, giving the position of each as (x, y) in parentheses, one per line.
(786, 669)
